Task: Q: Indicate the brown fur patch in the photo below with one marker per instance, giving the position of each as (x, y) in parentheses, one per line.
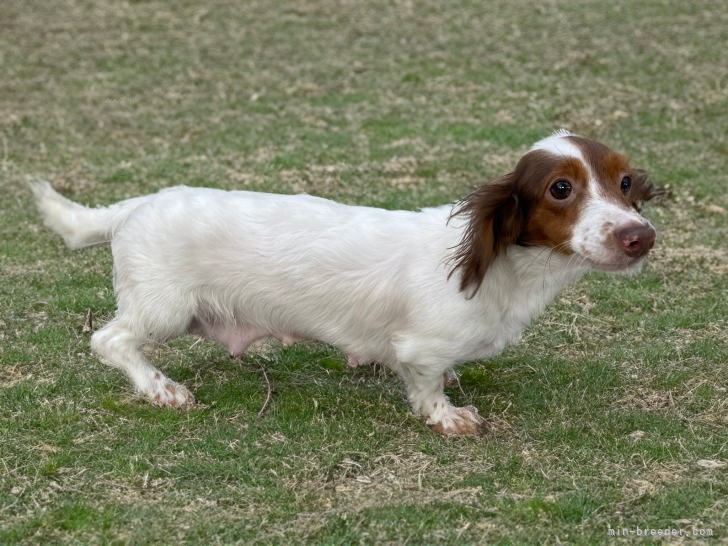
(497, 213)
(551, 222)
(610, 168)
(642, 188)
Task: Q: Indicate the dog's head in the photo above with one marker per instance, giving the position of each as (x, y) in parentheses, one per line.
(571, 194)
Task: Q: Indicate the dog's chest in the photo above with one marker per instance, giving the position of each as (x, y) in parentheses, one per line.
(494, 335)
(502, 320)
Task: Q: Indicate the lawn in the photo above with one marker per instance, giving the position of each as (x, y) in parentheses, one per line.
(612, 410)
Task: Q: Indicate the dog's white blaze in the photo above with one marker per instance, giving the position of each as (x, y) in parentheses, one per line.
(558, 145)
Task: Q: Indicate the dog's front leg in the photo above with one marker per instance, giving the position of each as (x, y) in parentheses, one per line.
(425, 390)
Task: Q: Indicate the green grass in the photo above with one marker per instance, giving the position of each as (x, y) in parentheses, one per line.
(600, 414)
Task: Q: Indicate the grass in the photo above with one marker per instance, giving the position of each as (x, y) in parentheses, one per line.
(601, 413)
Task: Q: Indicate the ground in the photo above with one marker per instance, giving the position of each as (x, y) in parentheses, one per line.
(610, 413)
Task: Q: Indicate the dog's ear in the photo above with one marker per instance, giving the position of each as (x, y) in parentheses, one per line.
(642, 188)
(495, 219)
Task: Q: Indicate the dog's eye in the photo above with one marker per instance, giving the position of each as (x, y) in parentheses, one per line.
(561, 189)
(626, 185)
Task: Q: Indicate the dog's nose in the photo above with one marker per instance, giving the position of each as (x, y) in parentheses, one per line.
(635, 240)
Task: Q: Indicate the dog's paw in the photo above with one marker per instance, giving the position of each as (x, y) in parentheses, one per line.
(459, 422)
(164, 392)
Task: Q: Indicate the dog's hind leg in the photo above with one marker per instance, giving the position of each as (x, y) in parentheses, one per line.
(121, 347)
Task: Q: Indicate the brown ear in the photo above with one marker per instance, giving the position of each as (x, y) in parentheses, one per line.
(642, 187)
(495, 221)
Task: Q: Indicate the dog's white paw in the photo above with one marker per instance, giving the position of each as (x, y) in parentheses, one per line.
(162, 391)
(459, 422)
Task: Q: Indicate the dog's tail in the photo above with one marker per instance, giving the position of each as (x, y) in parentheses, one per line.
(78, 225)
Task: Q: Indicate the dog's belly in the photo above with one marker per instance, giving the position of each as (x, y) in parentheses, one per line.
(236, 337)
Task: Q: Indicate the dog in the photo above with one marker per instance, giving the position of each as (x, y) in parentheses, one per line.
(416, 291)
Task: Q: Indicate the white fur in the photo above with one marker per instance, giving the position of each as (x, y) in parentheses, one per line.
(558, 145)
(240, 265)
(593, 240)
(593, 237)
(78, 225)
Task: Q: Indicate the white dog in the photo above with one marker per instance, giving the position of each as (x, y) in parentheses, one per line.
(416, 291)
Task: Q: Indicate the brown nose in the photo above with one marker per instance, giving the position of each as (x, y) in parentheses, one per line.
(635, 240)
